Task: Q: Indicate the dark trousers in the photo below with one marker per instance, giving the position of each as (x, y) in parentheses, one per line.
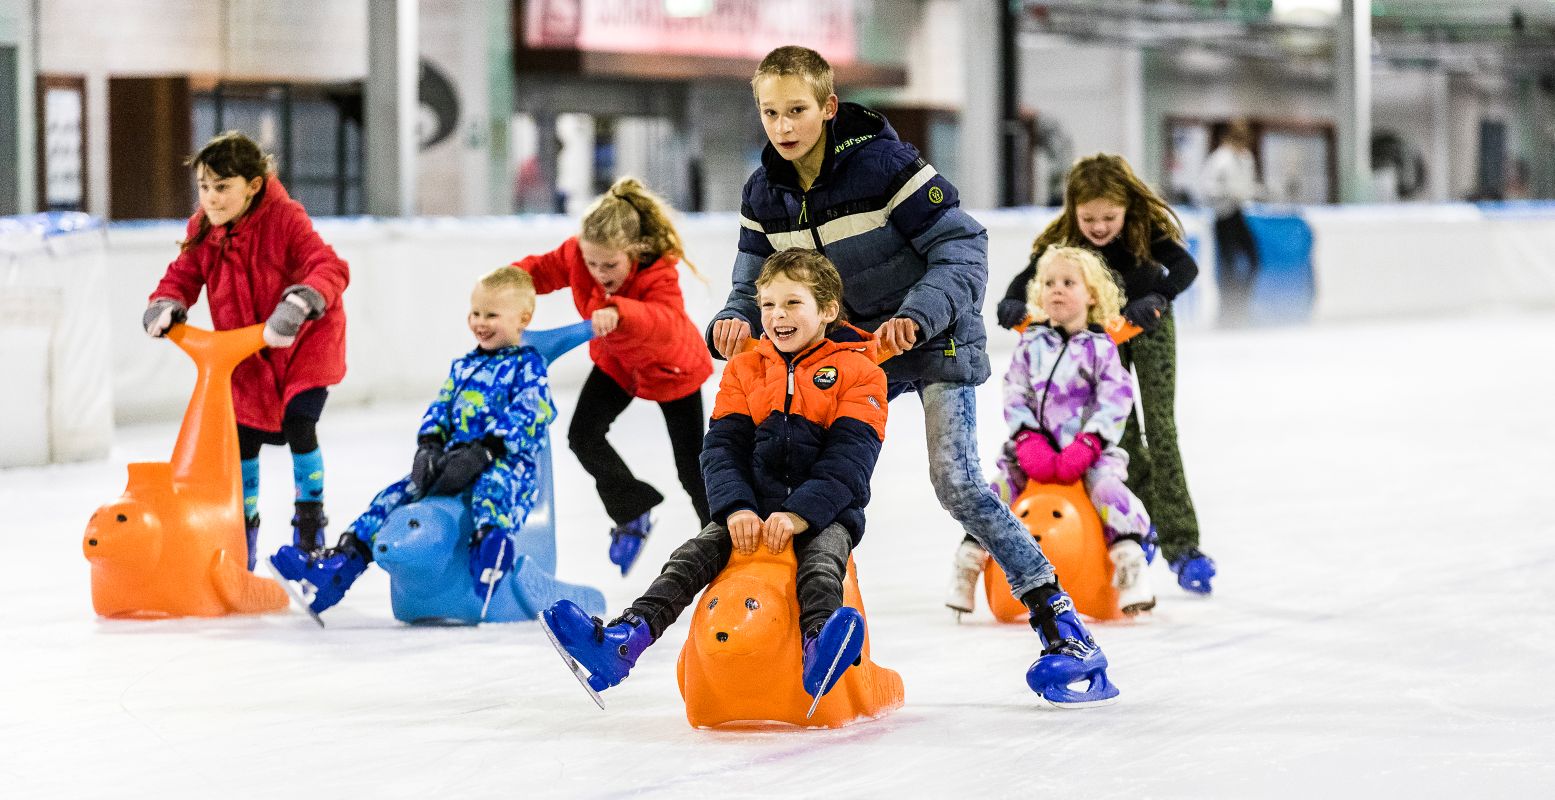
(1155, 464)
(298, 426)
(625, 496)
(1236, 265)
(823, 563)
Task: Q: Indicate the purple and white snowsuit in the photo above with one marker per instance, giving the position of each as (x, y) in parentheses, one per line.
(1067, 385)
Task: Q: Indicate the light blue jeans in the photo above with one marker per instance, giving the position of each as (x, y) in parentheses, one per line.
(950, 421)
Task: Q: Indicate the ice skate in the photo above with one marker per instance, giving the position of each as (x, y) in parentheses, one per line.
(626, 541)
(830, 651)
(607, 652)
(968, 565)
(1069, 656)
(1194, 570)
(1131, 577)
(251, 530)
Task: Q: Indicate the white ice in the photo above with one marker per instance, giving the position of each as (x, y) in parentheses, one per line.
(1377, 498)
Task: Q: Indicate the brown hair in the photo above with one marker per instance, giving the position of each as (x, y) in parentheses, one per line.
(635, 221)
(812, 270)
(802, 61)
(512, 279)
(1109, 177)
(228, 155)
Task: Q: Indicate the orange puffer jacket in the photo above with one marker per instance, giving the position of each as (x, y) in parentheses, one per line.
(798, 434)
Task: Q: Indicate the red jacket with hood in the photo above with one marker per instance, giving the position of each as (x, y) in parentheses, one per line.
(656, 352)
(244, 266)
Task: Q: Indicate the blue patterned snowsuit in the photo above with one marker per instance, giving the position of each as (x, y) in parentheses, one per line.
(501, 396)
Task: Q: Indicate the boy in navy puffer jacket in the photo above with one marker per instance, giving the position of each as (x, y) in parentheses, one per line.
(836, 178)
(788, 456)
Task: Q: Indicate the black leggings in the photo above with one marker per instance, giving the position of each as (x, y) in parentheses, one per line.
(823, 565)
(298, 427)
(625, 496)
(1236, 261)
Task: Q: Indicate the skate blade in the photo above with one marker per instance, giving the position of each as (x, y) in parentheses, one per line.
(1073, 704)
(502, 548)
(296, 591)
(1135, 609)
(832, 670)
(1097, 692)
(572, 664)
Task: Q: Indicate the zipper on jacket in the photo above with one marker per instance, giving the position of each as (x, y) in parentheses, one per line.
(804, 219)
(1046, 386)
(788, 402)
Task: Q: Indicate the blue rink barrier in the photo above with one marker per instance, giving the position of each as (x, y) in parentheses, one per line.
(424, 546)
(1284, 290)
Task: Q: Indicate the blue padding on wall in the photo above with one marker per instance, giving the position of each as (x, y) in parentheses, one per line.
(1284, 291)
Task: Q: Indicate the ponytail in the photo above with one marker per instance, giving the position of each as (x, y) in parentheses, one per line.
(635, 221)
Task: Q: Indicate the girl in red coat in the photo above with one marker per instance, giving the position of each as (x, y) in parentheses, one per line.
(621, 268)
(254, 251)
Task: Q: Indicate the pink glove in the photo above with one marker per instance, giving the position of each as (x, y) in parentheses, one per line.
(1036, 456)
(1078, 457)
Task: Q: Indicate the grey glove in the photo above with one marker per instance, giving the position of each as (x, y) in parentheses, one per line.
(1011, 312)
(162, 314)
(298, 303)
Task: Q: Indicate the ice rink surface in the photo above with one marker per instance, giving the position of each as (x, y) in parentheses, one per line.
(1377, 498)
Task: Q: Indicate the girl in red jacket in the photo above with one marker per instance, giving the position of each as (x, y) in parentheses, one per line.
(254, 251)
(621, 268)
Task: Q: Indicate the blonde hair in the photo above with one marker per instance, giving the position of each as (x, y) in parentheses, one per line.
(801, 61)
(514, 280)
(810, 269)
(1107, 297)
(635, 221)
(1109, 177)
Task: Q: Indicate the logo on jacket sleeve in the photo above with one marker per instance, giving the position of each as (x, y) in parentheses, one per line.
(936, 195)
(825, 377)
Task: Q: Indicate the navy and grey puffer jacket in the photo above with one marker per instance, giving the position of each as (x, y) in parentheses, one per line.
(894, 228)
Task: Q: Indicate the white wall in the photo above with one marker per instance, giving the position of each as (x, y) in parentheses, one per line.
(410, 283)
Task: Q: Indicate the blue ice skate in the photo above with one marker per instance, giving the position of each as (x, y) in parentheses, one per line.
(319, 579)
(829, 653)
(626, 541)
(607, 652)
(336, 569)
(1194, 570)
(251, 530)
(1069, 656)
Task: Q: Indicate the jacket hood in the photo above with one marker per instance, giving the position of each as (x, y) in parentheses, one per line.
(853, 126)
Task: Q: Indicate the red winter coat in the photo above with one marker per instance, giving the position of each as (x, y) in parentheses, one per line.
(656, 352)
(244, 267)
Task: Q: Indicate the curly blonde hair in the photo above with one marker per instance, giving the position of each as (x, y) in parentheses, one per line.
(1106, 296)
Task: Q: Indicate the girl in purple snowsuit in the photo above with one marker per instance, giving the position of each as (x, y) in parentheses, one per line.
(1066, 400)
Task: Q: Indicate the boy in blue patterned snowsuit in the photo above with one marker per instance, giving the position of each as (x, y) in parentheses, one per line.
(481, 435)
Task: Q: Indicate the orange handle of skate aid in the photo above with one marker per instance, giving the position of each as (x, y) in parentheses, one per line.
(1063, 521)
(743, 657)
(1119, 329)
(173, 544)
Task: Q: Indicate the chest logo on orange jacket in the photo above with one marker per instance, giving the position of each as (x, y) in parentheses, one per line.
(825, 377)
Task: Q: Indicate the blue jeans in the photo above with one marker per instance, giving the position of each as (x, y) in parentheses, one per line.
(950, 422)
